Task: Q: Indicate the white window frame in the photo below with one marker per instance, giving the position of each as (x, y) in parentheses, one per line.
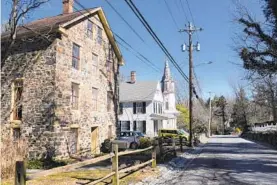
(139, 107)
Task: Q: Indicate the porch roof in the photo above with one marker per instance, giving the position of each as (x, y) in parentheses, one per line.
(154, 116)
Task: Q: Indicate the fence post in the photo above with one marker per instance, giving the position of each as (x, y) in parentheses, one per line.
(154, 154)
(20, 173)
(181, 143)
(160, 139)
(115, 180)
(174, 146)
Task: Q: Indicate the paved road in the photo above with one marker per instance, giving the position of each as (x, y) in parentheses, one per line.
(229, 160)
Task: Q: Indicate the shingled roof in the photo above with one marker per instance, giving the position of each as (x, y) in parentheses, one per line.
(47, 24)
(138, 91)
(63, 21)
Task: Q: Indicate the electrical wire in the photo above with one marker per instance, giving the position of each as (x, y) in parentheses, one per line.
(154, 36)
(192, 17)
(124, 20)
(172, 17)
(182, 6)
(151, 64)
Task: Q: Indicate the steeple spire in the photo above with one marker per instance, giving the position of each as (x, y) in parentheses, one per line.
(167, 81)
(167, 75)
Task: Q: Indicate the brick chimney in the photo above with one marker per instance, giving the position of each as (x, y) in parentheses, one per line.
(133, 77)
(67, 6)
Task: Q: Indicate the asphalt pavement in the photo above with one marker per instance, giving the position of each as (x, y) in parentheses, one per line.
(226, 160)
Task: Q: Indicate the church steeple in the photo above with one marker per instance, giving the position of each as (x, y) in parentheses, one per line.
(167, 74)
(167, 81)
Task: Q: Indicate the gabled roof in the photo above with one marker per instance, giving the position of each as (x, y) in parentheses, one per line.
(138, 91)
(62, 22)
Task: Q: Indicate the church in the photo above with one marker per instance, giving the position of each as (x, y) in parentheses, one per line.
(148, 106)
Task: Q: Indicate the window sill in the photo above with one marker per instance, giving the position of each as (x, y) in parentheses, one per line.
(16, 123)
(74, 126)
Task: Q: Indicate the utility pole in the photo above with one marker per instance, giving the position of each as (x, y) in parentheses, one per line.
(190, 30)
(210, 120)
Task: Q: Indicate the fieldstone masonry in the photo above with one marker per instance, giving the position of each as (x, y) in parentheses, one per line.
(47, 72)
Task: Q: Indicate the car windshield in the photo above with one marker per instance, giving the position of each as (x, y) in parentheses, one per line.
(140, 134)
(181, 131)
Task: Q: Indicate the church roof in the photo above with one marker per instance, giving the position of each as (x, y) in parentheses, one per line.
(138, 91)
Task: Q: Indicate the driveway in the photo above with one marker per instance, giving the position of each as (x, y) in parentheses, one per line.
(227, 160)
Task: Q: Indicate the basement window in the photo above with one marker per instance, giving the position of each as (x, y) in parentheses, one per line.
(17, 99)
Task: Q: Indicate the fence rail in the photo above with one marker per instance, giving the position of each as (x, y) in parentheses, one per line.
(114, 173)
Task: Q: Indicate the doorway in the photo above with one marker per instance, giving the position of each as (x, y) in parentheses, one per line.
(94, 139)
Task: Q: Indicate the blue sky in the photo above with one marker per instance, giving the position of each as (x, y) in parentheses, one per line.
(214, 16)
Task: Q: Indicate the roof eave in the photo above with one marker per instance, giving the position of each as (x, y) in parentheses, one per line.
(31, 33)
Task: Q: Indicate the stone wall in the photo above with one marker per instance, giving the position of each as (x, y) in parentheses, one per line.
(265, 137)
(34, 62)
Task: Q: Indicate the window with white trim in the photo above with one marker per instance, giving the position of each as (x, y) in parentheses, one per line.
(139, 107)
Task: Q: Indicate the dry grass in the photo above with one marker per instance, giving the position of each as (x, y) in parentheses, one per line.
(10, 153)
(86, 176)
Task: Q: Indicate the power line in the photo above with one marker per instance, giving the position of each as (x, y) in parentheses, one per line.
(170, 12)
(138, 54)
(154, 36)
(125, 21)
(192, 17)
(182, 6)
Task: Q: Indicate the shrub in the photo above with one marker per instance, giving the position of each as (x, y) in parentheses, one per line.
(145, 142)
(237, 130)
(11, 151)
(46, 163)
(35, 164)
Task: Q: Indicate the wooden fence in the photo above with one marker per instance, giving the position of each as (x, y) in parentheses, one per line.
(20, 175)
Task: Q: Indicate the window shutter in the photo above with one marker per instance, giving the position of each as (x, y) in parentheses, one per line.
(144, 107)
(134, 108)
(134, 126)
(120, 126)
(144, 126)
(128, 125)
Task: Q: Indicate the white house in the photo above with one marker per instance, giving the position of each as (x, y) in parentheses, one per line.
(148, 106)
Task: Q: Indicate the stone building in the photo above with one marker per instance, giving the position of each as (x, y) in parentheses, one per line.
(59, 86)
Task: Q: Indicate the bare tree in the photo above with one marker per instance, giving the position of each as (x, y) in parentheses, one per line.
(20, 11)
